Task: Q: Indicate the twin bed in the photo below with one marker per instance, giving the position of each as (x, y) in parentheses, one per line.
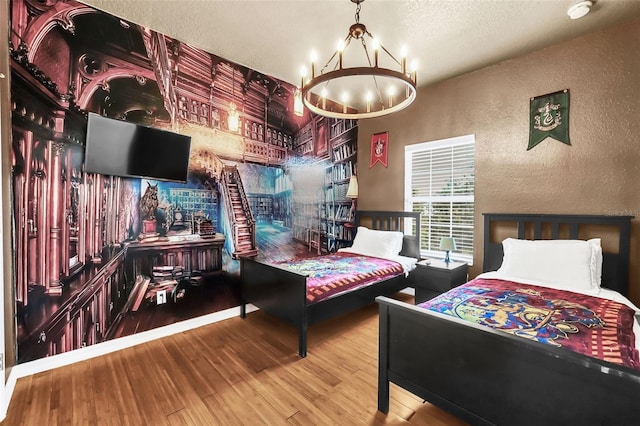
(307, 291)
(444, 352)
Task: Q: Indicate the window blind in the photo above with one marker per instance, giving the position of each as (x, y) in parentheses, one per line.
(439, 183)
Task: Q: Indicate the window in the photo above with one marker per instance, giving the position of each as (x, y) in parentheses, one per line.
(439, 183)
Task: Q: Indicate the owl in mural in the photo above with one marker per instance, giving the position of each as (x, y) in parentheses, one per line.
(149, 202)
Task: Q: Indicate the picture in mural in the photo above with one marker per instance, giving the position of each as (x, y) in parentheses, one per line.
(99, 256)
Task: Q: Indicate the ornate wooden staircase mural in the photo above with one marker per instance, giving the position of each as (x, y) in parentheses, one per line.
(240, 219)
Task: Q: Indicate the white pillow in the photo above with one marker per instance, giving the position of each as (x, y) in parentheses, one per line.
(382, 243)
(563, 264)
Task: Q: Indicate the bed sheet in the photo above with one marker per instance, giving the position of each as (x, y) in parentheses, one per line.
(595, 326)
(408, 263)
(603, 292)
(334, 273)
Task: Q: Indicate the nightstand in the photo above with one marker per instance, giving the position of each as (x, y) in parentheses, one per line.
(432, 277)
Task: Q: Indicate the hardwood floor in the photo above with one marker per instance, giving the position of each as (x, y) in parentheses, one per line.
(234, 372)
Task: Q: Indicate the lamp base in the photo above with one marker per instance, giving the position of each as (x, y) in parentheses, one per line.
(447, 259)
(352, 211)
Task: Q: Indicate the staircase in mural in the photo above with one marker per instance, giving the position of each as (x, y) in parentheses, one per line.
(240, 218)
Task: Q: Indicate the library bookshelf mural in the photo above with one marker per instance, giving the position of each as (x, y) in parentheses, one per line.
(101, 256)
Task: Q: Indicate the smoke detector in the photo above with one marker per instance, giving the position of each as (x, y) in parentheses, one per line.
(578, 10)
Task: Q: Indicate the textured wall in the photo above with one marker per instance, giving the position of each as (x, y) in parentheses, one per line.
(598, 174)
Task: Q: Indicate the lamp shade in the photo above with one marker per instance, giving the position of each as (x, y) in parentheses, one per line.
(352, 191)
(447, 244)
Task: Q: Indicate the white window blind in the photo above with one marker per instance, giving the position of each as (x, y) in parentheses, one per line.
(439, 183)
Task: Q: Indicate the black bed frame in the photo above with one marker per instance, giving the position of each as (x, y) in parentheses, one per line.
(283, 294)
(487, 377)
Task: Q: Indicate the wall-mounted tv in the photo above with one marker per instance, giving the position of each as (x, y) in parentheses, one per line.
(119, 148)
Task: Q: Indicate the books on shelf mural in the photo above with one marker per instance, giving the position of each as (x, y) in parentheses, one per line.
(331, 213)
(94, 253)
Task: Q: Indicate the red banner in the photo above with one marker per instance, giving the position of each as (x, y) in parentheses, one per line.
(379, 148)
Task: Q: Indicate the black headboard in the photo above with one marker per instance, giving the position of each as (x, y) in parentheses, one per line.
(615, 265)
(394, 221)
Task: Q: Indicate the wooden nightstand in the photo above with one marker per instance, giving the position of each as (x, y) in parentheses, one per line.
(432, 277)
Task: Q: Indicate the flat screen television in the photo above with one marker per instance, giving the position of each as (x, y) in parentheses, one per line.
(119, 148)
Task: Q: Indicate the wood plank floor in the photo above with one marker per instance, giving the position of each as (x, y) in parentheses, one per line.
(234, 372)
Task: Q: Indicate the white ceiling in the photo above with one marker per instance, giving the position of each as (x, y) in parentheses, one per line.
(447, 37)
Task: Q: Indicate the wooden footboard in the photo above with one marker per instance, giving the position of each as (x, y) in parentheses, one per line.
(488, 377)
(282, 294)
(278, 292)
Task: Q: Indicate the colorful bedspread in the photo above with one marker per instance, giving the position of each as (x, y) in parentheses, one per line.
(593, 326)
(334, 273)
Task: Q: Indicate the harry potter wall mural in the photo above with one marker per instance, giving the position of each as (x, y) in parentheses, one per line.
(99, 256)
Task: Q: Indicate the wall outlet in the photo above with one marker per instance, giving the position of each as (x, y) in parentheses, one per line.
(161, 297)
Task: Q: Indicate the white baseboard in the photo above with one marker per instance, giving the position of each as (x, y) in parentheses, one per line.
(88, 352)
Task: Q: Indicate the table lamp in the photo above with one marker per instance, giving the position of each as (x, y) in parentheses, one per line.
(447, 244)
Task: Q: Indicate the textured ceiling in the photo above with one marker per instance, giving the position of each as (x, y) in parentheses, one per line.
(447, 37)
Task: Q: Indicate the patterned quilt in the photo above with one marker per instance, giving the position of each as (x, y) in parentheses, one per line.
(589, 325)
(336, 272)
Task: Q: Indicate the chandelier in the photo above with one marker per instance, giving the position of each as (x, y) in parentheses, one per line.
(369, 82)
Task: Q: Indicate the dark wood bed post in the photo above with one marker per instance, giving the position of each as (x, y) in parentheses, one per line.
(383, 357)
(302, 336)
(243, 303)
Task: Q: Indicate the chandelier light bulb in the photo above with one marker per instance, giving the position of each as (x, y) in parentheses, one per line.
(376, 50)
(403, 59)
(314, 57)
(413, 71)
(303, 74)
(345, 99)
(391, 91)
(324, 94)
(368, 98)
